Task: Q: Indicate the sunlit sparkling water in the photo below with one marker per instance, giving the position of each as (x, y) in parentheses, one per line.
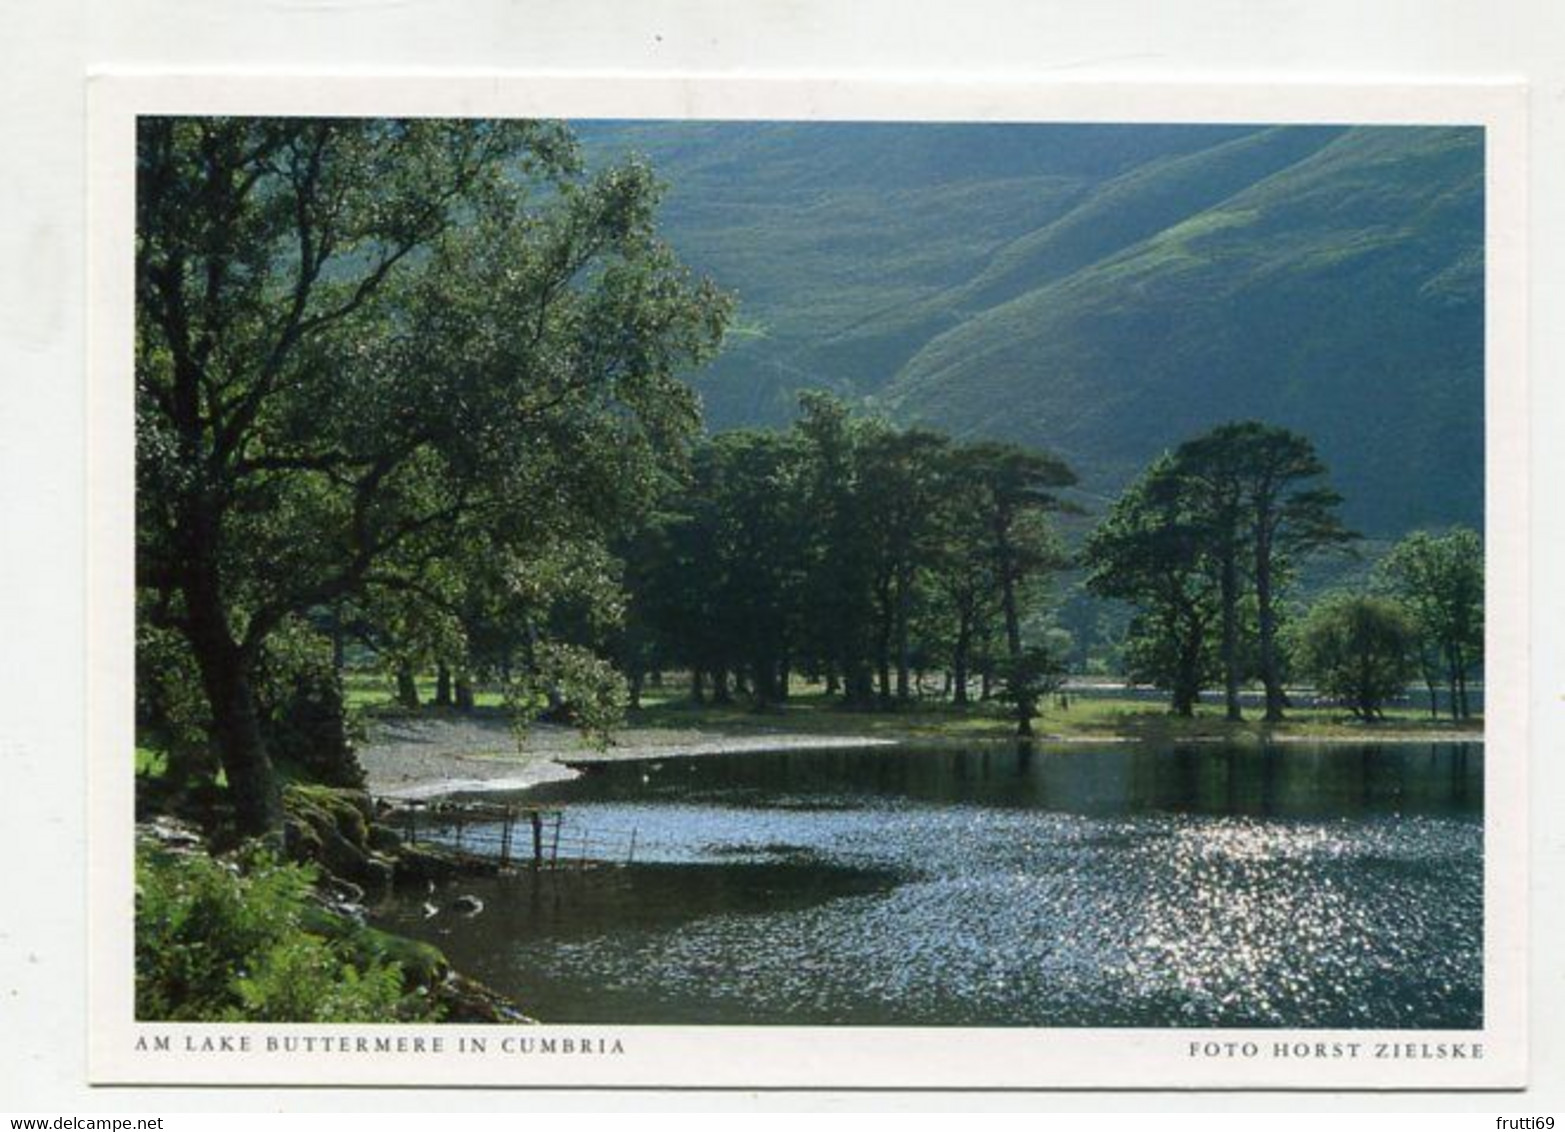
(1308, 887)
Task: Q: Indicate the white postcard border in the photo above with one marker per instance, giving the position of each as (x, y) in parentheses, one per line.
(846, 1057)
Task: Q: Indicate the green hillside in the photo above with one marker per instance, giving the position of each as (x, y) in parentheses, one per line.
(1104, 291)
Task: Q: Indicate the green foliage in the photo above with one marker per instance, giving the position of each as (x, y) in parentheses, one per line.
(1260, 505)
(1358, 649)
(838, 624)
(571, 684)
(847, 548)
(220, 941)
(150, 763)
(1038, 672)
(719, 572)
(1440, 579)
(299, 703)
(304, 980)
(303, 711)
(1203, 547)
(171, 707)
(1151, 551)
(374, 357)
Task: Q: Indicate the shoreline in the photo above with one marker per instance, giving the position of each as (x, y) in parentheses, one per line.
(422, 758)
(415, 759)
(535, 770)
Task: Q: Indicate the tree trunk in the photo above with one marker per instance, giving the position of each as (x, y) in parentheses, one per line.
(859, 684)
(904, 651)
(883, 666)
(883, 629)
(1187, 681)
(338, 641)
(1364, 703)
(763, 677)
(1025, 705)
(1451, 682)
(236, 726)
(1229, 595)
(407, 687)
(1271, 674)
(1461, 684)
(964, 642)
(464, 693)
(1189, 631)
(697, 686)
(1013, 623)
(1431, 688)
(442, 685)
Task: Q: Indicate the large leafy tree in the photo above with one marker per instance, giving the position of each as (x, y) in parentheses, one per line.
(362, 342)
(1017, 489)
(1358, 649)
(716, 575)
(1265, 500)
(899, 484)
(962, 571)
(1151, 551)
(1210, 475)
(837, 625)
(1440, 578)
(751, 478)
(850, 549)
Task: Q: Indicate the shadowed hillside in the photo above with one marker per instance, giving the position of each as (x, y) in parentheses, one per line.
(1105, 291)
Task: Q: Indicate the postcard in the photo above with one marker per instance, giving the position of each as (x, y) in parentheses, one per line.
(607, 581)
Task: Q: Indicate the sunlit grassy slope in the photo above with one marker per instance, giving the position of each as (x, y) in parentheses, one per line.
(1104, 291)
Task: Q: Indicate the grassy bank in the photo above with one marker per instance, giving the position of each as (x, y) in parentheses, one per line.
(1089, 716)
(376, 691)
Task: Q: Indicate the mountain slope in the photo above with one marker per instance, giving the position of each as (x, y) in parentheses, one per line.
(1339, 297)
(1104, 291)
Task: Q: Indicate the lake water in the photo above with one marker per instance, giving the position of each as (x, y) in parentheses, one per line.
(1308, 886)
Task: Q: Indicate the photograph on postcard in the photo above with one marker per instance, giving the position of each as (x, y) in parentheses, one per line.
(1001, 575)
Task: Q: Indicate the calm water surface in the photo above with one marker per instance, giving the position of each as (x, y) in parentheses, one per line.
(1308, 886)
